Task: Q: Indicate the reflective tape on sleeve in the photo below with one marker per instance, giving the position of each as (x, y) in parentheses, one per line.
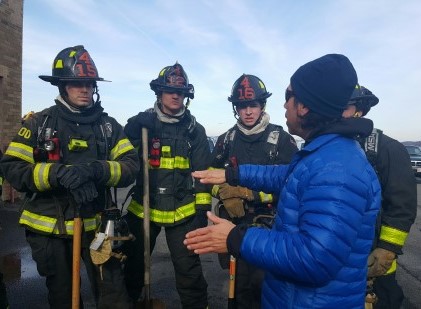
(120, 148)
(21, 151)
(392, 235)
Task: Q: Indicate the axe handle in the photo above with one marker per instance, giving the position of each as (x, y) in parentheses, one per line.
(231, 287)
(146, 217)
(77, 238)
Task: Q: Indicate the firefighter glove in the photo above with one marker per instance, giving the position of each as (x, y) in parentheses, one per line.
(84, 193)
(234, 206)
(379, 262)
(200, 219)
(226, 192)
(73, 176)
(145, 119)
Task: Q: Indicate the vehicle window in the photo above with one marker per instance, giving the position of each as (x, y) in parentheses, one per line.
(413, 150)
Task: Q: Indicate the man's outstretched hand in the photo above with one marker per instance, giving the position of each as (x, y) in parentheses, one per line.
(210, 176)
(212, 238)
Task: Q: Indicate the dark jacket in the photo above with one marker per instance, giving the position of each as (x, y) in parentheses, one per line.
(272, 146)
(175, 150)
(31, 169)
(399, 191)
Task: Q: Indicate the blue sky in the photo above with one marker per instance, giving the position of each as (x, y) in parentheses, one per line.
(218, 40)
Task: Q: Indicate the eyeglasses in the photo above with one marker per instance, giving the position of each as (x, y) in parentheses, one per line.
(289, 94)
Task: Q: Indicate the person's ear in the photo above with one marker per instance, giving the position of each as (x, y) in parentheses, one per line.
(302, 110)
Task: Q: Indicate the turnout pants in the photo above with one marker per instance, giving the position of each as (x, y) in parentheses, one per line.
(388, 292)
(190, 282)
(248, 278)
(53, 256)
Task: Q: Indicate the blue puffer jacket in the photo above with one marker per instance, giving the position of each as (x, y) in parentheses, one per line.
(316, 254)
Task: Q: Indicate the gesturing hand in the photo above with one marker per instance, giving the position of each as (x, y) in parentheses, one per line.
(212, 238)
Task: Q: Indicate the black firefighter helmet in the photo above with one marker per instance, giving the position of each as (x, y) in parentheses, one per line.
(173, 79)
(248, 88)
(363, 99)
(72, 64)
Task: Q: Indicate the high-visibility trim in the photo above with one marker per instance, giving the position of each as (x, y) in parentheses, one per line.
(1, 181)
(41, 172)
(392, 268)
(215, 190)
(172, 163)
(120, 148)
(48, 225)
(115, 173)
(160, 216)
(203, 199)
(214, 168)
(392, 235)
(265, 198)
(21, 151)
(38, 222)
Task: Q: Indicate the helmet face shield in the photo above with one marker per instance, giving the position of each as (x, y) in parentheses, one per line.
(173, 79)
(73, 64)
(248, 88)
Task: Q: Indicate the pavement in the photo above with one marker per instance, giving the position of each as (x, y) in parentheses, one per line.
(26, 289)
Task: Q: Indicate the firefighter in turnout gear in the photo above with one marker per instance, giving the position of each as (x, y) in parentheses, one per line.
(253, 140)
(177, 146)
(65, 158)
(399, 203)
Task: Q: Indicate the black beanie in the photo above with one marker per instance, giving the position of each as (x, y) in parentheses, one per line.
(325, 85)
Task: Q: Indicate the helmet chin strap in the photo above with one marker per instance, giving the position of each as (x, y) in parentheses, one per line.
(95, 97)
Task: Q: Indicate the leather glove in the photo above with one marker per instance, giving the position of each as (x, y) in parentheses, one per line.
(85, 193)
(379, 262)
(226, 192)
(235, 207)
(145, 119)
(73, 176)
(200, 219)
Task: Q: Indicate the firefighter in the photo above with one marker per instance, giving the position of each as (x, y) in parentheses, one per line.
(399, 202)
(252, 140)
(65, 158)
(177, 146)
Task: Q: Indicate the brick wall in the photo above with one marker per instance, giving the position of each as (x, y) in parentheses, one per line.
(11, 21)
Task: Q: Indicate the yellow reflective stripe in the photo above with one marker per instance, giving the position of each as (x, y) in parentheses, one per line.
(90, 224)
(215, 190)
(392, 268)
(1, 181)
(167, 163)
(265, 198)
(203, 199)
(160, 216)
(181, 162)
(115, 173)
(41, 172)
(21, 151)
(122, 146)
(49, 225)
(172, 163)
(393, 235)
(38, 222)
